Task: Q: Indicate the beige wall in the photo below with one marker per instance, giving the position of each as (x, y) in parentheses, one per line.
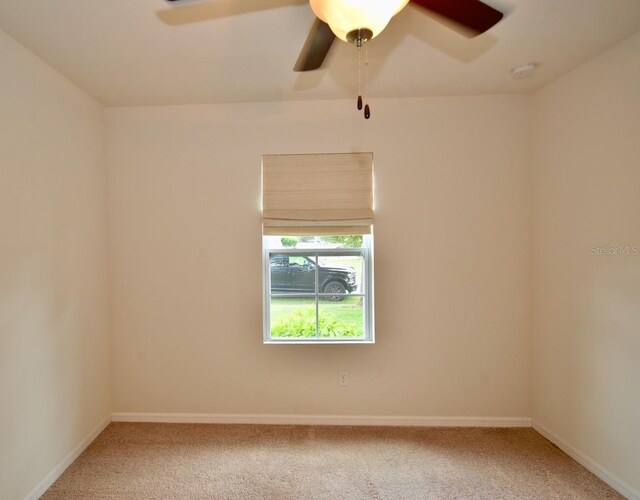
(452, 257)
(586, 182)
(54, 348)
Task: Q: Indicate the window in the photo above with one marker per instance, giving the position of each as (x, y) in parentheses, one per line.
(318, 290)
(317, 241)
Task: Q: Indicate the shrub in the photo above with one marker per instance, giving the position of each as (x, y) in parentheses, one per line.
(302, 323)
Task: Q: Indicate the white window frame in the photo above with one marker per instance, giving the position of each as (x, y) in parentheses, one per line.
(366, 251)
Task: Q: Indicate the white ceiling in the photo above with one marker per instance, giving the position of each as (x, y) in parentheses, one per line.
(143, 52)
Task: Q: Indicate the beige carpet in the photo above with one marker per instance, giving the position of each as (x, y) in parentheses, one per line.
(299, 462)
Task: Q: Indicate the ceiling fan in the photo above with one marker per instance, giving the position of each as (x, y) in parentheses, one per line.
(358, 21)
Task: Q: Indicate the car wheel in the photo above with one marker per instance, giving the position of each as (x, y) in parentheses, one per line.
(337, 288)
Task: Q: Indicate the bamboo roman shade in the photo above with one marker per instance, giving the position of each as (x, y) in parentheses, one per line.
(317, 194)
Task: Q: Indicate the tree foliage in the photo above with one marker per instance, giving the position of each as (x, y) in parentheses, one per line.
(344, 241)
(289, 241)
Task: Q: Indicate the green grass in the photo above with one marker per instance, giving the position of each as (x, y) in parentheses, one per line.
(295, 317)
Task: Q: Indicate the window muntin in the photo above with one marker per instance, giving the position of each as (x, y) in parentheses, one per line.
(317, 294)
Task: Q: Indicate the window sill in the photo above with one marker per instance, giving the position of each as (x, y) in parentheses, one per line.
(317, 342)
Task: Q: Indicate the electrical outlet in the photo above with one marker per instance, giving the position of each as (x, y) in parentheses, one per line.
(343, 378)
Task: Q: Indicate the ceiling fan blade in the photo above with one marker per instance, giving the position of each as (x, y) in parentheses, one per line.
(475, 16)
(194, 11)
(315, 47)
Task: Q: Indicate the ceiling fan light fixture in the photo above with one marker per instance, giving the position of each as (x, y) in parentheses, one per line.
(349, 16)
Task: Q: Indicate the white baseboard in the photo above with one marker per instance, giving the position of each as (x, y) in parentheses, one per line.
(57, 471)
(229, 418)
(613, 481)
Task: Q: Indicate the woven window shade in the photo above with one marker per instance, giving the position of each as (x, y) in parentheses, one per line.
(317, 194)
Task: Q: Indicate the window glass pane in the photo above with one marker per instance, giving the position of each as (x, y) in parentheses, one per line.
(341, 274)
(293, 317)
(292, 273)
(341, 319)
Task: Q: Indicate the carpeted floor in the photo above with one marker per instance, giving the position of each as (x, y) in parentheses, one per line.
(153, 461)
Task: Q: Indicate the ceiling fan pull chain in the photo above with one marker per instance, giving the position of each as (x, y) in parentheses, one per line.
(367, 110)
(359, 45)
(362, 89)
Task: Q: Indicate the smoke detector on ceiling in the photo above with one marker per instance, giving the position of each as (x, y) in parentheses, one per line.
(523, 71)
